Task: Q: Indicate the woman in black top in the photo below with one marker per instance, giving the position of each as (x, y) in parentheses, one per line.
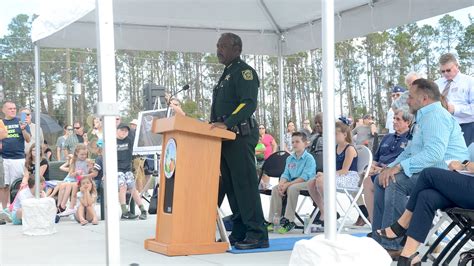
(30, 165)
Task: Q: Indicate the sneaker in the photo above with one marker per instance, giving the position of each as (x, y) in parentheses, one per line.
(270, 227)
(128, 216)
(6, 217)
(142, 215)
(287, 227)
(67, 212)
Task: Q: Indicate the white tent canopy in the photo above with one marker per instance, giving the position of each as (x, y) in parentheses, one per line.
(195, 25)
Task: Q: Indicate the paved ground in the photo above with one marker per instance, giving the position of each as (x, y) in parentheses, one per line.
(85, 245)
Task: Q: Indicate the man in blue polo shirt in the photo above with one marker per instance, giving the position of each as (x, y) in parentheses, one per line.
(390, 147)
(300, 168)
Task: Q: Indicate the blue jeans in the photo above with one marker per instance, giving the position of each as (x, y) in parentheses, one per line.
(389, 204)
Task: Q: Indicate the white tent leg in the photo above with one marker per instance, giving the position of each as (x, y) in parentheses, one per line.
(280, 94)
(107, 101)
(328, 119)
(37, 118)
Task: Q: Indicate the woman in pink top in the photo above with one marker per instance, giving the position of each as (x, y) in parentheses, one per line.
(270, 147)
(268, 141)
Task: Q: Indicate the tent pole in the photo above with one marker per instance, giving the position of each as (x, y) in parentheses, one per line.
(328, 119)
(37, 119)
(107, 90)
(281, 100)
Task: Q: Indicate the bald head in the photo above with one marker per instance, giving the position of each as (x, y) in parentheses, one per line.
(9, 109)
(410, 77)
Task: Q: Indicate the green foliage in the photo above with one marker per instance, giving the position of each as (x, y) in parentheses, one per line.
(366, 70)
(465, 50)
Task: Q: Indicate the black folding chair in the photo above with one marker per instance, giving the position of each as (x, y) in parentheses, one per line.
(462, 218)
(273, 166)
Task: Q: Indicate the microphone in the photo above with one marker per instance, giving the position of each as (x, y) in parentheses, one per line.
(184, 88)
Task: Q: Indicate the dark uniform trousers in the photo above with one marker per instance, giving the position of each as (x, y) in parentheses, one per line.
(239, 178)
(437, 189)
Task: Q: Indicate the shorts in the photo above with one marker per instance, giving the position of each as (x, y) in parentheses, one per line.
(126, 179)
(51, 184)
(70, 179)
(2, 174)
(15, 219)
(13, 169)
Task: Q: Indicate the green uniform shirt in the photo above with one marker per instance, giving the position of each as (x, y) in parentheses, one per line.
(235, 95)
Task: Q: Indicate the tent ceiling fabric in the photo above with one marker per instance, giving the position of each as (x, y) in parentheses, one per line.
(195, 25)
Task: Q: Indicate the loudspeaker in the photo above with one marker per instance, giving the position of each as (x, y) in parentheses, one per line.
(150, 93)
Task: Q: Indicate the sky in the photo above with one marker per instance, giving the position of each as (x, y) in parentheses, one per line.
(11, 8)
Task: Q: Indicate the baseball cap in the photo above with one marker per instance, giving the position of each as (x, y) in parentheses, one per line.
(397, 89)
(134, 121)
(100, 143)
(122, 125)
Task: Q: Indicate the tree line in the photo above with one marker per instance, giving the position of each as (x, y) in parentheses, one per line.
(366, 70)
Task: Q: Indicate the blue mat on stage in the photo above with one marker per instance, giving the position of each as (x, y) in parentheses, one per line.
(280, 244)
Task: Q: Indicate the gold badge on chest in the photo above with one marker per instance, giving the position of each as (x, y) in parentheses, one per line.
(247, 74)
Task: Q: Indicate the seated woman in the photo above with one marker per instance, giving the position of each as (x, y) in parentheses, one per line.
(435, 189)
(30, 165)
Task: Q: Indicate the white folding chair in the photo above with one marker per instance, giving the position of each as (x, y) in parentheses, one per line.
(364, 162)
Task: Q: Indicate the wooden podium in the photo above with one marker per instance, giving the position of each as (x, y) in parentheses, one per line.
(189, 181)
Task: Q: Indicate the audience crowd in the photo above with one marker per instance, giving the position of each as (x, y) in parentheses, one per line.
(81, 156)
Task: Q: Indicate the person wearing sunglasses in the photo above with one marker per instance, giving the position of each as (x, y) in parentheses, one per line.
(397, 91)
(78, 136)
(436, 138)
(458, 89)
(26, 113)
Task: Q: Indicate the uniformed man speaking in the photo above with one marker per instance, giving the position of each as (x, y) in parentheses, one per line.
(234, 100)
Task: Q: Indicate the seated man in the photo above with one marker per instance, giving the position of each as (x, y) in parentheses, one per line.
(390, 147)
(300, 168)
(436, 137)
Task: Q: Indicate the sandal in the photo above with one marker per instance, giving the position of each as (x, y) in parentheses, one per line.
(397, 229)
(404, 261)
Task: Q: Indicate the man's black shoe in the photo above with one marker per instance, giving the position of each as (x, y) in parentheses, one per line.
(234, 240)
(2, 222)
(252, 244)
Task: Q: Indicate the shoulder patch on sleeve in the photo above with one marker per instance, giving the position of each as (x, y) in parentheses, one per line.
(247, 74)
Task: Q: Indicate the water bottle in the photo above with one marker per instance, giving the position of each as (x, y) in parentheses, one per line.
(305, 222)
(276, 222)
